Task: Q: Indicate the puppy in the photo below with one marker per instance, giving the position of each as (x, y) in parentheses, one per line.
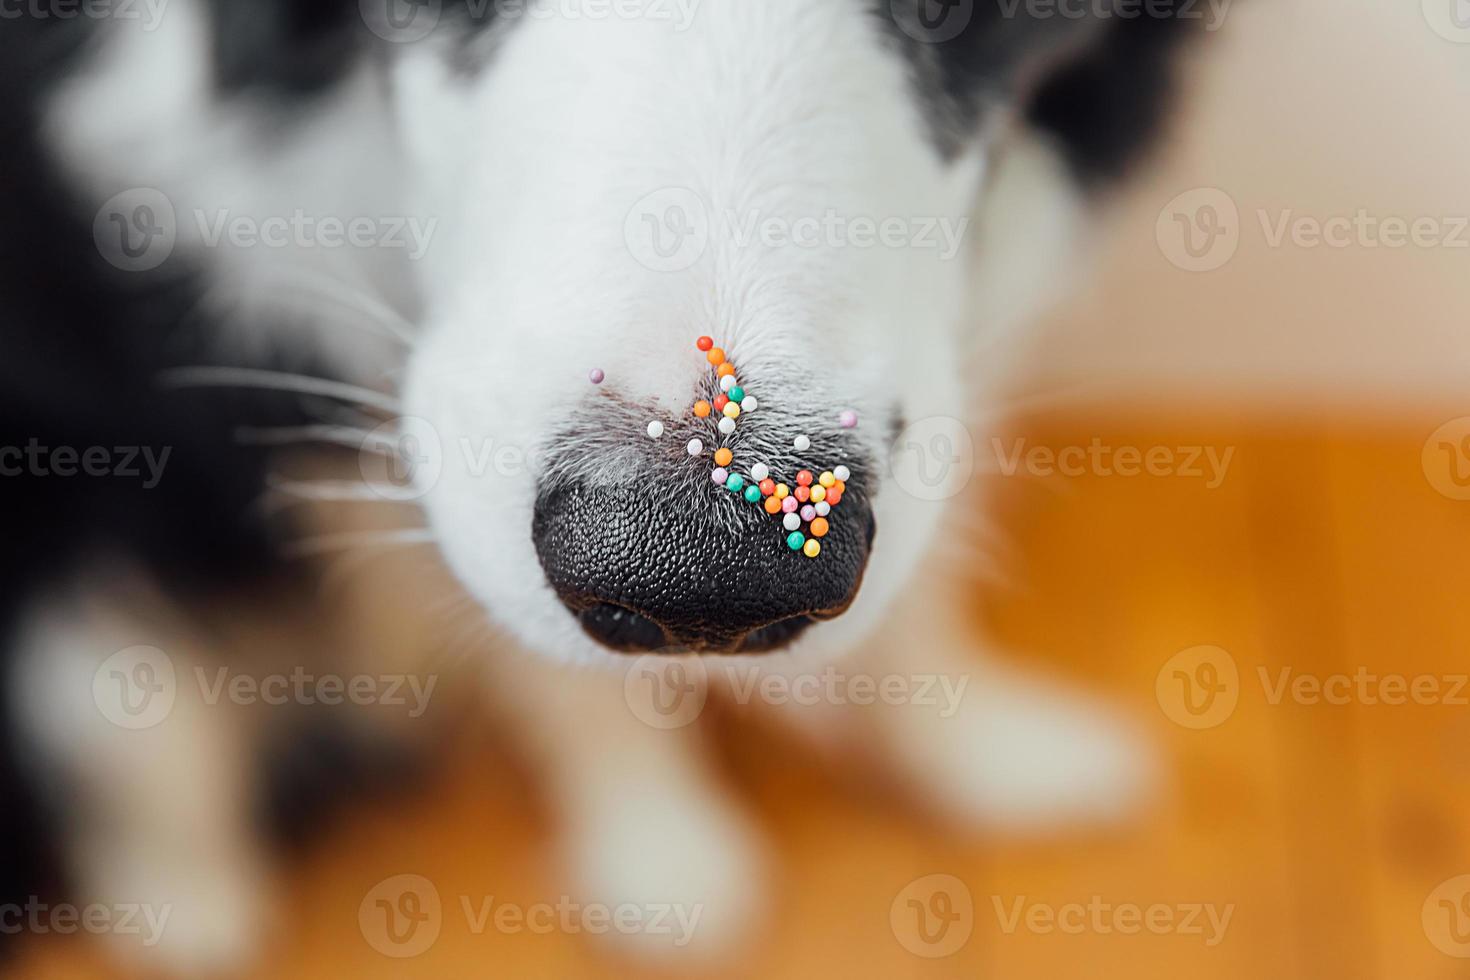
(416, 229)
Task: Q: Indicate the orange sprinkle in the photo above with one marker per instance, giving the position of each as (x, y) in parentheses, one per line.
(723, 456)
(701, 409)
(725, 367)
(773, 504)
(819, 527)
(716, 356)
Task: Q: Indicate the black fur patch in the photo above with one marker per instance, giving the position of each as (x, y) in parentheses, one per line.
(1098, 85)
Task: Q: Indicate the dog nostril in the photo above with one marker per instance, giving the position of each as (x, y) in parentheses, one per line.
(622, 629)
(642, 578)
(776, 635)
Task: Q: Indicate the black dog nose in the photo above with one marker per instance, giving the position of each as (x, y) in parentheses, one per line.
(701, 574)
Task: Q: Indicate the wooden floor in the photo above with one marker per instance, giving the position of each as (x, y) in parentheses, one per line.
(1323, 830)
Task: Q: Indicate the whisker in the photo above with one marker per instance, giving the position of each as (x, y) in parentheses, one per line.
(325, 543)
(336, 490)
(203, 377)
(335, 435)
(383, 316)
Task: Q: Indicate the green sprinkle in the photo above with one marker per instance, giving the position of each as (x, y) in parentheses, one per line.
(795, 540)
(737, 393)
(734, 482)
(753, 494)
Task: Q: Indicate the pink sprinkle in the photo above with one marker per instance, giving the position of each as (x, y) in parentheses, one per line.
(788, 505)
(808, 513)
(720, 475)
(596, 376)
(847, 418)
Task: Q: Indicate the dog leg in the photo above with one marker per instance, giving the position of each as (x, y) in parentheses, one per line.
(982, 743)
(642, 821)
(151, 783)
(993, 745)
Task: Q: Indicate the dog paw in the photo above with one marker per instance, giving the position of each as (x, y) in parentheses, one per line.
(1020, 755)
(195, 919)
(682, 861)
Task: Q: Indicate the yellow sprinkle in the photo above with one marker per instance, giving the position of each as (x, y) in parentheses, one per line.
(782, 491)
(812, 548)
(732, 410)
(827, 479)
(819, 494)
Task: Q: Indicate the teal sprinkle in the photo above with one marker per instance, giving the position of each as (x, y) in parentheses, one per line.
(753, 494)
(735, 482)
(737, 393)
(795, 540)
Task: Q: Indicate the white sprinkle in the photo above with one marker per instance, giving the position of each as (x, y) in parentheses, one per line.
(749, 404)
(655, 429)
(719, 474)
(695, 447)
(842, 473)
(802, 444)
(727, 425)
(791, 522)
(759, 472)
(727, 382)
(823, 508)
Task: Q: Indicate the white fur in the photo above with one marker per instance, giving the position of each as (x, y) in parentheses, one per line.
(779, 109)
(531, 168)
(157, 817)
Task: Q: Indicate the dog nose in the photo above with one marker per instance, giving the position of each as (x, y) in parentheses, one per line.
(714, 575)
